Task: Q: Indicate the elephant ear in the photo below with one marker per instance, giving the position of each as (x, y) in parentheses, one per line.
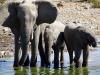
(47, 12)
(12, 20)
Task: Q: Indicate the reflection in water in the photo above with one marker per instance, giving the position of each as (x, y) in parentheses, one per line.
(21, 71)
(62, 72)
(70, 71)
(55, 72)
(85, 71)
(38, 71)
(48, 71)
(34, 71)
(78, 71)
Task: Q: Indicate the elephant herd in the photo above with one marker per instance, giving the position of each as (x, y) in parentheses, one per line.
(35, 22)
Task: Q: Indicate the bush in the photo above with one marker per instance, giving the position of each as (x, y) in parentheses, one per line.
(96, 3)
(2, 1)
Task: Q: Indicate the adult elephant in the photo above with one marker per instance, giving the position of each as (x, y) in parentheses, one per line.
(52, 34)
(77, 40)
(23, 19)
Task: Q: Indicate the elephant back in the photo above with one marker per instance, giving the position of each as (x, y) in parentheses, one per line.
(57, 28)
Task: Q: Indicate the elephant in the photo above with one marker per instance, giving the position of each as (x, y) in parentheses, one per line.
(51, 37)
(23, 20)
(78, 39)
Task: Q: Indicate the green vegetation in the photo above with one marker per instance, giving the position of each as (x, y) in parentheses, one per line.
(96, 3)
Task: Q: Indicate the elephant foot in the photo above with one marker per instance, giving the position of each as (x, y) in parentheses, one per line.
(33, 64)
(15, 64)
(84, 64)
(20, 63)
(56, 65)
(77, 63)
(61, 64)
(47, 65)
(42, 64)
(26, 62)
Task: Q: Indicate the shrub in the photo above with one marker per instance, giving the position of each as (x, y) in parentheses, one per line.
(2, 1)
(96, 3)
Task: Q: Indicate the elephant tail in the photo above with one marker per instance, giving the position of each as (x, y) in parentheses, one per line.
(47, 32)
(91, 40)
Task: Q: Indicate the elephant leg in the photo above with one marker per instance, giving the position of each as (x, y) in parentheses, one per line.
(59, 43)
(27, 62)
(48, 45)
(61, 59)
(56, 57)
(33, 54)
(47, 53)
(77, 56)
(85, 57)
(70, 57)
(34, 46)
(41, 51)
(62, 55)
(17, 48)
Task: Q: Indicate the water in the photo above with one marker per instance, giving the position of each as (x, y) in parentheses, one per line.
(6, 66)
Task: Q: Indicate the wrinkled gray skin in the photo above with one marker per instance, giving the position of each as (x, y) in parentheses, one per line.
(23, 19)
(53, 39)
(77, 40)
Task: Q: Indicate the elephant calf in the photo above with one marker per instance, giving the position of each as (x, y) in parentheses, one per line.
(53, 39)
(78, 39)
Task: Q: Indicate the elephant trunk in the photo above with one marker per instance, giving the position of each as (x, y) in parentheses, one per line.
(25, 39)
(27, 16)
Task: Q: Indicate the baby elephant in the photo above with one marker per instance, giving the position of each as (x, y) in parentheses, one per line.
(53, 39)
(78, 39)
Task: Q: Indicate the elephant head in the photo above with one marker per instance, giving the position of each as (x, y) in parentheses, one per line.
(23, 16)
(92, 41)
(45, 11)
